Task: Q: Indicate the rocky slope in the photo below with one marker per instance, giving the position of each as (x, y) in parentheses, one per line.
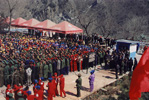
(114, 17)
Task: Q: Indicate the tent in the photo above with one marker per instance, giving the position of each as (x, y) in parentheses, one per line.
(30, 23)
(44, 25)
(17, 22)
(8, 19)
(66, 28)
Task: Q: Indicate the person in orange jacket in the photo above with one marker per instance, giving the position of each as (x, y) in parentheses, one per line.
(39, 94)
(50, 89)
(62, 85)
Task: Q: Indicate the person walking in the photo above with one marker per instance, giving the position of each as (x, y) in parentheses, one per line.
(79, 85)
(91, 80)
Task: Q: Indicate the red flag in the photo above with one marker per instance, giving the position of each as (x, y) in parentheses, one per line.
(140, 77)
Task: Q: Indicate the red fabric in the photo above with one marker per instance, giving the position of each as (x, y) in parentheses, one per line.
(39, 95)
(140, 77)
(30, 23)
(54, 87)
(17, 21)
(8, 91)
(50, 91)
(66, 28)
(75, 63)
(62, 85)
(45, 24)
(31, 97)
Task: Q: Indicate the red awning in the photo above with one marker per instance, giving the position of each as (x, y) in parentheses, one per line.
(8, 19)
(66, 28)
(44, 25)
(30, 23)
(17, 22)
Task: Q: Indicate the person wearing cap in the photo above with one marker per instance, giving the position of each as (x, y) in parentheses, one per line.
(41, 83)
(8, 90)
(16, 76)
(79, 85)
(1, 76)
(56, 84)
(39, 95)
(62, 85)
(6, 75)
(41, 69)
(35, 84)
(25, 92)
(50, 89)
(50, 69)
(30, 97)
(59, 66)
(91, 80)
(45, 70)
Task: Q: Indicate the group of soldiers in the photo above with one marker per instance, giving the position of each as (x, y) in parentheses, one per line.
(46, 56)
(40, 92)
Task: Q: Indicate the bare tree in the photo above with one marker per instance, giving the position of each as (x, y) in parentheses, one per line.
(11, 7)
(134, 27)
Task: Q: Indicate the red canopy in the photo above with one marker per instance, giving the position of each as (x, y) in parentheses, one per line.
(30, 23)
(45, 24)
(66, 28)
(8, 19)
(17, 22)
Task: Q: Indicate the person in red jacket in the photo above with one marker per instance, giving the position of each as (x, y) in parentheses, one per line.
(8, 91)
(30, 97)
(56, 83)
(35, 84)
(50, 89)
(62, 85)
(39, 94)
(41, 83)
(54, 86)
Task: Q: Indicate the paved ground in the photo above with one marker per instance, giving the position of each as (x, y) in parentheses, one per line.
(102, 78)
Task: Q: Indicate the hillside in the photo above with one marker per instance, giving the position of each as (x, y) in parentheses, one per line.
(115, 18)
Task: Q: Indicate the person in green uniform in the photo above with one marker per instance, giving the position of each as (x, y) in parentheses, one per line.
(45, 70)
(50, 69)
(6, 75)
(79, 85)
(1, 76)
(41, 69)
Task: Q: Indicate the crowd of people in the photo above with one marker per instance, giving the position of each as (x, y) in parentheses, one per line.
(40, 92)
(24, 59)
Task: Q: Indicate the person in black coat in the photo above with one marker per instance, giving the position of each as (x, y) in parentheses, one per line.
(135, 63)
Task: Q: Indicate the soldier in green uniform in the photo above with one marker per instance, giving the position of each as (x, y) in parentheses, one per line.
(79, 85)
(41, 69)
(16, 76)
(50, 69)
(45, 70)
(6, 74)
(1, 76)
(11, 70)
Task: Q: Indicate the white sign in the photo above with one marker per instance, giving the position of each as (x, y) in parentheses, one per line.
(133, 48)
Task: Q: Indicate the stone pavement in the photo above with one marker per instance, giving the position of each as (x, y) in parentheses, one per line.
(102, 78)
